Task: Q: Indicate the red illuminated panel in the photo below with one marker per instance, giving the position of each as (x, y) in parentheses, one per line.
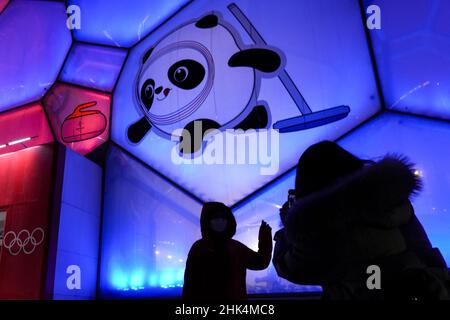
(23, 127)
(3, 4)
(25, 193)
(79, 116)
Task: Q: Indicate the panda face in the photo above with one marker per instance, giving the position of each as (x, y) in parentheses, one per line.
(199, 74)
(185, 74)
(174, 83)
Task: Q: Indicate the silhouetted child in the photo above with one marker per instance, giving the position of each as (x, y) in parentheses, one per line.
(216, 266)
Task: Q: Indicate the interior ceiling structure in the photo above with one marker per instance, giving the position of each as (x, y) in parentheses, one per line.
(83, 86)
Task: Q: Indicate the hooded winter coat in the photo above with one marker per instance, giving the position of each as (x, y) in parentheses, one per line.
(216, 265)
(333, 235)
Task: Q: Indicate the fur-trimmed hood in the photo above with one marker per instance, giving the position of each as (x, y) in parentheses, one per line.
(370, 196)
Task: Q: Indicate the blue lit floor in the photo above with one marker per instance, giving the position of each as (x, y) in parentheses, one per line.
(426, 143)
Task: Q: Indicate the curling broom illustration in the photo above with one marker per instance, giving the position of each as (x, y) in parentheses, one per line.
(308, 119)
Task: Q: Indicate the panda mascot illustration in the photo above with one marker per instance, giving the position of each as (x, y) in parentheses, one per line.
(201, 75)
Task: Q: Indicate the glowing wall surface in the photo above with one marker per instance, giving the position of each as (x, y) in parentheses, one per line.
(34, 42)
(328, 62)
(412, 52)
(425, 142)
(24, 127)
(148, 228)
(78, 229)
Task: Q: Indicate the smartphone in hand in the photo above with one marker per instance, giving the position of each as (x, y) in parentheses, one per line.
(291, 198)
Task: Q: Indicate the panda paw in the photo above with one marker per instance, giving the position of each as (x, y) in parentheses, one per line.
(258, 118)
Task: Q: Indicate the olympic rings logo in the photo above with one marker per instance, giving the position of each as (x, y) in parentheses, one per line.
(23, 241)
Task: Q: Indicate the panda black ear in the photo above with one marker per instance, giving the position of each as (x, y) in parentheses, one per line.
(146, 55)
(209, 21)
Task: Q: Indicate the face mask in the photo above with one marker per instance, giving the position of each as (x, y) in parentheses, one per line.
(218, 224)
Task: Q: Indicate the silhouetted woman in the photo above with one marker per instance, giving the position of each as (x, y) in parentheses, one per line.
(216, 266)
(350, 214)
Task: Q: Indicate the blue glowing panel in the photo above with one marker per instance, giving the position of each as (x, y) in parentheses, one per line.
(79, 228)
(425, 143)
(120, 23)
(82, 183)
(265, 205)
(148, 228)
(34, 42)
(88, 272)
(198, 69)
(93, 66)
(412, 52)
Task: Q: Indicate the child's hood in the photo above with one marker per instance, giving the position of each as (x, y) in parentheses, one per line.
(215, 210)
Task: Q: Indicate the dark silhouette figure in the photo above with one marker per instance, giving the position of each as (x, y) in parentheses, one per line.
(216, 266)
(349, 214)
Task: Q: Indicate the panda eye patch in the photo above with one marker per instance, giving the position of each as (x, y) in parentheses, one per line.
(148, 92)
(186, 74)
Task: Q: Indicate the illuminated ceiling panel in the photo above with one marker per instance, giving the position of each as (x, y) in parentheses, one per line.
(34, 42)
(121, 23)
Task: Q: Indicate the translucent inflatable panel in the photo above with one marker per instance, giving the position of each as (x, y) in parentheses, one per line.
(93, 66)
(412, 52)
(34, 43)
(79, 116)
(79, 227)
(148, 229)
(121, 23)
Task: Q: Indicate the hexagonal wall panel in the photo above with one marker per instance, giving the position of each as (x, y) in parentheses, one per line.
(329, 71)
(24, 127)
(411, 50)
(79, 116)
